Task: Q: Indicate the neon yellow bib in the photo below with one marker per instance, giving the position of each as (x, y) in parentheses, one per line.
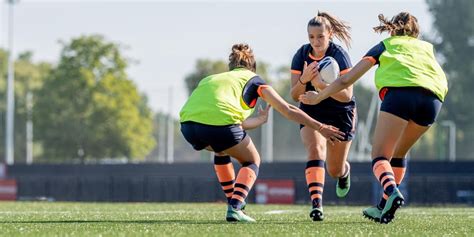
(407, 62)
(217, 100)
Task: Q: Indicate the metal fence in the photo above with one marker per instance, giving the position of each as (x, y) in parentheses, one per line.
(426, 183)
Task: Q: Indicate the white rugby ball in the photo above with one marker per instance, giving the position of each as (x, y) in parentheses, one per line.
(328, 69)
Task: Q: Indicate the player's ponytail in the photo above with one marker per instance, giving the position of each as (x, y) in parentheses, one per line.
(242, 57)
(402, 24)
(339, 28)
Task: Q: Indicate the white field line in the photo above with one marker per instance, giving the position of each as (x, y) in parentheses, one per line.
(277, 212)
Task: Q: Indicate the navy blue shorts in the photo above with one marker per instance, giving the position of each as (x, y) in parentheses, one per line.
(218, 137)
(345, 120)
(412, 103)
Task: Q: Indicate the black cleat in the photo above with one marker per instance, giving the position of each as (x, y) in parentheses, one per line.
(316, 214)
(395, 201)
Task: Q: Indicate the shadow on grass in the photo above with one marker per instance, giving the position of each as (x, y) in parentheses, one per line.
(159, 222)
(184, 222)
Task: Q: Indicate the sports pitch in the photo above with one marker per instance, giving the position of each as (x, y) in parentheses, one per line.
(208, 219)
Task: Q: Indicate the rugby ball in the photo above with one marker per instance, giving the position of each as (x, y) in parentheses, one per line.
(328, 69)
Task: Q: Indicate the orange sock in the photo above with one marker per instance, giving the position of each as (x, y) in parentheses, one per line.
(315, 180)
(399, 168)
(384, 174)
(225, 174)
(245, 180)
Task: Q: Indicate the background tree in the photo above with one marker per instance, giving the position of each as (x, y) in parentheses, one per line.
(454, 41)
(204, 68)
(89, 108)
(29, 77)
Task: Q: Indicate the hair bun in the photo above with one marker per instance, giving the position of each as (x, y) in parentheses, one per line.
(242, 56)
(236, 48)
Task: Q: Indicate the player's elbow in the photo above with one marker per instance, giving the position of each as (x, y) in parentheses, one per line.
(283, 109)
(290, 112)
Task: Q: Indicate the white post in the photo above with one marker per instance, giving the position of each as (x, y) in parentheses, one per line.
(267, 138)
(29, 128)
(9, 145)
(364, 128)
(452, 138)
(162, 138)
(170, 141)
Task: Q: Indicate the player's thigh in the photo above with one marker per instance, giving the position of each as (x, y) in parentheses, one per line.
(410, 135)
(337, 157)
(244, 152)
(314, 143)
(388, 130)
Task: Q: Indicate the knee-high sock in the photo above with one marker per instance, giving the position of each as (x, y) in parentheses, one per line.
(244, 183)
(399, 168)
(315, 180)
(225, 174)
(384, 174)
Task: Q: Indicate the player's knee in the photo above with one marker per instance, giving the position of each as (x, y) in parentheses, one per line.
(257, 161)
(316, 156)
(251, 166)
(382, 152)
(252, 160)
(316, 152)
(400, 154)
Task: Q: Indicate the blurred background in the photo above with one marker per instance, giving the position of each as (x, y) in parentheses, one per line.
(90, 94)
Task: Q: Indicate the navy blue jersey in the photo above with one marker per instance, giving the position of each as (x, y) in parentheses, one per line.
(342, 58)
(374, 53)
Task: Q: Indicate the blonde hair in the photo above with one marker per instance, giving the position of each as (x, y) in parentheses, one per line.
(242, 57)
(338, 27)
(402, 24)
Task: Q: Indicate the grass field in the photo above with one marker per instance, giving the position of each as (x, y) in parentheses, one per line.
(164, 219)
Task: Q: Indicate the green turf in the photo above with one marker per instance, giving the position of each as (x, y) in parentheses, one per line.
(162, 219)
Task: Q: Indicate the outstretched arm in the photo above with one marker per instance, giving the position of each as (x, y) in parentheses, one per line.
(341, 83)
(293, 113)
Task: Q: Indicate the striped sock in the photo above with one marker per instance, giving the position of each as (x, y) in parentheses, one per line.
(399, 168)
(315, 180)
(245, 180)
(225, 174)
(384, 174)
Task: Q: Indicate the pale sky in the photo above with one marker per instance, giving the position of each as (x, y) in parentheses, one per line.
(166, 38)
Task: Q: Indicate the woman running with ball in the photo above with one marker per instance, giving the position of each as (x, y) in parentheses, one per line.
(339, 110)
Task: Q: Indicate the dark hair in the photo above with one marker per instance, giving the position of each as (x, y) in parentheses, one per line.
(242, 57)
(402, 24)
(338, 27)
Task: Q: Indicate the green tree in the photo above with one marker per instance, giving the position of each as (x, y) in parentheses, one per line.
(29, 77)
(89, 108)
(204, 68)
(455, 42)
